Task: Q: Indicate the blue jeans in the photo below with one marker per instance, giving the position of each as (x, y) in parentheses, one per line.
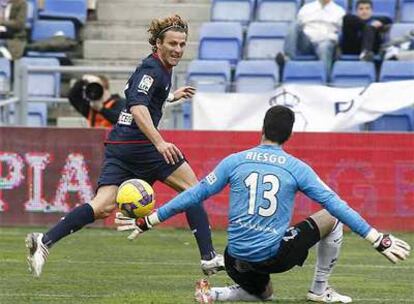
(298, 43)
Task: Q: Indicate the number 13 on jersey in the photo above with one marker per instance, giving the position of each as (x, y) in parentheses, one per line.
(252, 182)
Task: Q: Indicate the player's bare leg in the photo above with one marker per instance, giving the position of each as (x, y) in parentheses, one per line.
(38, 243)
(328, 248)
(181, 179)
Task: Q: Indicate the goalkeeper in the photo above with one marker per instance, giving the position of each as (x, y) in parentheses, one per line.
(263, 183)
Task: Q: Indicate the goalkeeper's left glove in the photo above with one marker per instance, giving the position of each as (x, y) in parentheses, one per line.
(388, 245)
(139, 225)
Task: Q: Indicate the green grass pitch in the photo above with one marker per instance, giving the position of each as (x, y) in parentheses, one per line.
(101, 266)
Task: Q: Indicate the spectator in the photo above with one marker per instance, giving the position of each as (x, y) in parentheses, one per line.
(362, 33)
(90, 96)
(92, 16)
(400, 48)
(13, 29)
(315, 31)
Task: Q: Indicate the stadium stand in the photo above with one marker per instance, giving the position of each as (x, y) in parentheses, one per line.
(241, 10)
(396, 70)
(277, 10)
(221, 41)
(31, 13)
(65, 9)
(256, 76)
(4, 75)
(407, 10)
(352, 74)
(343, 3)
(383, 8)
(43, 84)
(399, 30)
(401, 120)
(305, 72)
(44, 29)
(209, 75)
(265, 39)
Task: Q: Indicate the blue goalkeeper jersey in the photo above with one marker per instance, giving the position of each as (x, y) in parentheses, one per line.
(263, 183)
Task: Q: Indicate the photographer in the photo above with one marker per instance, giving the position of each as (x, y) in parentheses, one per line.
(90, 96)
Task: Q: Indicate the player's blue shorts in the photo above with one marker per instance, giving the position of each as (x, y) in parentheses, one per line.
(126, 161)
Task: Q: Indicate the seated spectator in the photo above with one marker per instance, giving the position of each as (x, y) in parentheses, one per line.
(13, 29)
(316, 31)
(401, 48)
(90, 96)
(362, 34)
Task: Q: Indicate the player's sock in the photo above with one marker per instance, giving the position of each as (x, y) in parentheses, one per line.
(233, 293)
(72, 222)
(198, 221)
(328, 250)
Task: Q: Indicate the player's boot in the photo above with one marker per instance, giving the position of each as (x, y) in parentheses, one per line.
(203, 292)
(210, 267)
(329, 296)
(38, 253)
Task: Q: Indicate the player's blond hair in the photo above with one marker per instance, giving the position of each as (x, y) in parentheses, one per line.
(159, 27)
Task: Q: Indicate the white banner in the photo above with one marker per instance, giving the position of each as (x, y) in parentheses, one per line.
(317, 108)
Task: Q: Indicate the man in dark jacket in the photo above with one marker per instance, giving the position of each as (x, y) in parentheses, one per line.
(362, 33)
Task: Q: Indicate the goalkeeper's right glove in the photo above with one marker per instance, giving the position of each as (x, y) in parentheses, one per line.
(388, 245)
(138, 225)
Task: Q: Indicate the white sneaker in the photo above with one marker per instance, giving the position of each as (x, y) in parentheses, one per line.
(38, 253)
(213, 266)
(203, 292)
(329, 296)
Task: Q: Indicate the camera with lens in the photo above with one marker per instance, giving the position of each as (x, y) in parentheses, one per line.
(93, 91)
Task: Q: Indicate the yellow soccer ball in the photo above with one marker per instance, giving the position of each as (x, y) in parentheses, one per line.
(135, 198)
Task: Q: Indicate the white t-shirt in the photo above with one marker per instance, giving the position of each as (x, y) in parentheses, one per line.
(321, 22)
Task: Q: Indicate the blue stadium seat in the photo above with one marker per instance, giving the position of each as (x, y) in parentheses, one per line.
(383, 8)
(401, 120)
(407, 10)
(396, 70)
(221, 41)
(31, 13)
(4, 75)
(209, 75)
(36, 114)
(65, 9)
(256, 76)
(265, 39)
(277, 10)
(43, 84)
(352, 73)
(343, 3)
(306, 72)
(232, 10)
(44, 29)
(399, 30)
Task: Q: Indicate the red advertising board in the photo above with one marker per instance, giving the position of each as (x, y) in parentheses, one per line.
(46, 172)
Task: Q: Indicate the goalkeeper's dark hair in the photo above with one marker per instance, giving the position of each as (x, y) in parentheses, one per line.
(278, 124)
(159, 27)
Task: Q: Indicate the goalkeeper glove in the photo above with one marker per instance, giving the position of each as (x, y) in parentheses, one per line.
(388, 245)
(139, 225)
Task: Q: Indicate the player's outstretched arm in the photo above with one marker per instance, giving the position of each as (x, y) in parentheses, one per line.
(392, 248)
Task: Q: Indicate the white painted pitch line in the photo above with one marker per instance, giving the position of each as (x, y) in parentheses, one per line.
(146, 262)
(86, 296)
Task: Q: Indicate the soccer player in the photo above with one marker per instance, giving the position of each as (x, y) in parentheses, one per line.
(135, 149)
(263, 183)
